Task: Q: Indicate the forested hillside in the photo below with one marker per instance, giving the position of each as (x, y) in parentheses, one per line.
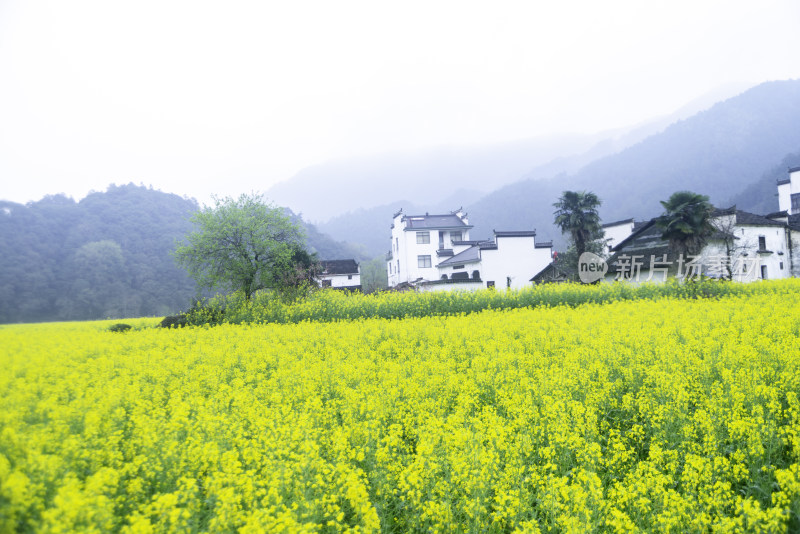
(108, 255)
(718, 152)
(762, 196)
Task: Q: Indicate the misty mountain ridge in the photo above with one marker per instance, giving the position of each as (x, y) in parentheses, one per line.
(718, 151)
(429, 177)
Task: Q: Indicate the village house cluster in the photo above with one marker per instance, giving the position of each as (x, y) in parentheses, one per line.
(432, 252)
(436, 252)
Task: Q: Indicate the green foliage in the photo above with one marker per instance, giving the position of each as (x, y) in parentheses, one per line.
(576, 215)
(175, 321)
(297, 277)
(373, 275)
(119, 327)
(568, 260)
(243, 244)
(332, 305)
(686, 222)
(105, 256)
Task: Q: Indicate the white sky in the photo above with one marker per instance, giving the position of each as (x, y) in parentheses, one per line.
(228, 97)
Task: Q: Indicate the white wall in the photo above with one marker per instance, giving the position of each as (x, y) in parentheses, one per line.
(617, 233)
(745, 252)
(516, 258)
(342, 280)
(464, 286)
(406, 252)
(469, 268)
(785, 191)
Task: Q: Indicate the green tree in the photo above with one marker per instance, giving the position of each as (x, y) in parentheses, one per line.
(373, 275)
(576, 215)
(98, 288)
(686, 222)
(298, 275)
(243, 244)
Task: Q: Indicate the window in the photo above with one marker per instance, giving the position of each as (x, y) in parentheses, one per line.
(397, 244)
(795, 203)
(455, 236)
(441, 240)
(398, 267)
(763, 272)
(349, 276)
(326, 283)
(781, 266)
(423, 238)
(508, 281)
(423, 262)
(490, 283)
(762, 243)
(457, 267)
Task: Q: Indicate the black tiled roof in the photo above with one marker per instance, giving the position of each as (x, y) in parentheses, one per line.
(751, 219)
(615, 223)
(776, 214)
(745, 217)
(551, 273)
(645, 229)
(543, 244)
(784, 181)
(794, 169)
(515, 233)
(339, 267)
(645, 255)
(425, 222)
(471, 255)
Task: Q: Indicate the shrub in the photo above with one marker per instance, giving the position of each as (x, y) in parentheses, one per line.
(176, 321)
(119, 327)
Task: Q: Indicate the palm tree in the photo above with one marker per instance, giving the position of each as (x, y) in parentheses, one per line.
(686, 222)
(576, 215)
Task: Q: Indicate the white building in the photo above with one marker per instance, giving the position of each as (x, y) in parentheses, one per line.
(340, 274)
(615, 232)
(433, 252)
(746, 246)
(789, 214)
(789, 193)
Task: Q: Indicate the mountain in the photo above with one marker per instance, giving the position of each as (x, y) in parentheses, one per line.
(105, 256)
(717, 152)
(108, 255)
(762, 196)
(423, 181)
(323, 192)
(369, 227)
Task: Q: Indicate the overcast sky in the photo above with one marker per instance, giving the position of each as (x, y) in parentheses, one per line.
(228, 97)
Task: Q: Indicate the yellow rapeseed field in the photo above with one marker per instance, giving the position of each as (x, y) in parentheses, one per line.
(666, 415)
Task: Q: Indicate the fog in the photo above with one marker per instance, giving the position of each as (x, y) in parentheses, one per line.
(202, 98)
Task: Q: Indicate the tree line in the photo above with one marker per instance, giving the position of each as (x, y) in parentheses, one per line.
(109, 255)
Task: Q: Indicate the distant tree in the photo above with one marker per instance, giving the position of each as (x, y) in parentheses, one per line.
(373, 275)
(576, 215)
(686, 222)
(298, 276)
(98, 288)
(243, 244)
